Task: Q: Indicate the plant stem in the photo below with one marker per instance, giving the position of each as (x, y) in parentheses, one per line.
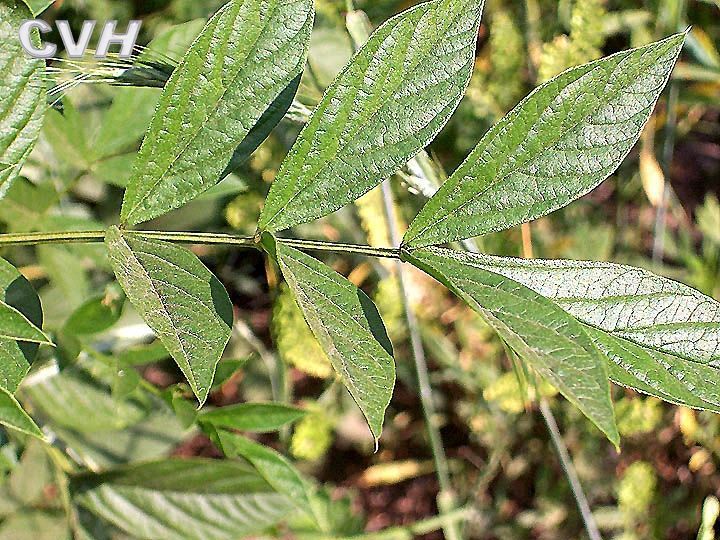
(446, 498)
(570, 473)
(67, 237)
(418, 528)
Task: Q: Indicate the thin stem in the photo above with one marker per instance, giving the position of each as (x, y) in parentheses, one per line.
(65, 237)
(555, 435)
(570, 473)
(446, 499)
(418, 528)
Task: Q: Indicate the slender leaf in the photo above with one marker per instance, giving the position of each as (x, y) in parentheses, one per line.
(659, 331)
(16, 357)
(183, 499)
(246, 55)
(348, 327)
(257, 417)
(22, 92)
(558, 144)
(539, 331)
(13, 416)
(275, 469)
(179, 298)
(387, 104)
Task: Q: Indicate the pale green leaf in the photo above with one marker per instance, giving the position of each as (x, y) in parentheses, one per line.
(16, 357)
(13, 416)
(257, 417)
(22, 92)
(183, 499)
(275, 469)
(389, 102)
(179, 298)
(560, 142)
(540, 332)
(348, 327)
(14, 325)
(245, 56)
(667, 330)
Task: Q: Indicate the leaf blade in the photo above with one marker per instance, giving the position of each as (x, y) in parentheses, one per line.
(14, 416)
(256, 417)
(213, 98)
(348, 327)
(22, 93)
(387, 104)
(15, 326)
(176, 296)
(559, 143)
(534, 327)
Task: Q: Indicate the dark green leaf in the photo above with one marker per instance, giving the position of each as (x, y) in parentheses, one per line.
(389, 102)
(347, 325)
(558, 144)
(540, 332)
(22, 92)
(179, 298)
(246, 55)
(15, 358)
(183, 499)
(258, 417)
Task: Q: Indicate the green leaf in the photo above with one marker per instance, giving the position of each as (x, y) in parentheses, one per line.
(245, 56)
(659, 331)
(97, 314)
(16, 357)
(22, 92)
(560, 142)
(257, 417)
(347, 325)
(14, 325)
(13, 416)
(183, 499)
(260, 131)
(179, 298)
(38, 6)
(389, 102)
(540, 332)
(275, 469)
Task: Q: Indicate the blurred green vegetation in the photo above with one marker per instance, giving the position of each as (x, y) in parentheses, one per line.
(501, 457)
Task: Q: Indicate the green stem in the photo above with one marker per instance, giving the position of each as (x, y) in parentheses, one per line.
(67, 237)
(418, 528)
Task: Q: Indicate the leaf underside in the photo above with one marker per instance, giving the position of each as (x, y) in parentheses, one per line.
(660, 336)
(243, 59)
(22, 93)
(349, 329)
(179, 298)
(556, 145)
(389, 102)
(553, 342)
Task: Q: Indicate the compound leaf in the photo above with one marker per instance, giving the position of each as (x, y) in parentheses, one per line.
(183, 499)
(256, 417)
(560, 142)
(347, 325)
(16, 357)
(662, 333)
(387, 104)
(249, 51)
(539, 331)
(22, 93)
(179, 298)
